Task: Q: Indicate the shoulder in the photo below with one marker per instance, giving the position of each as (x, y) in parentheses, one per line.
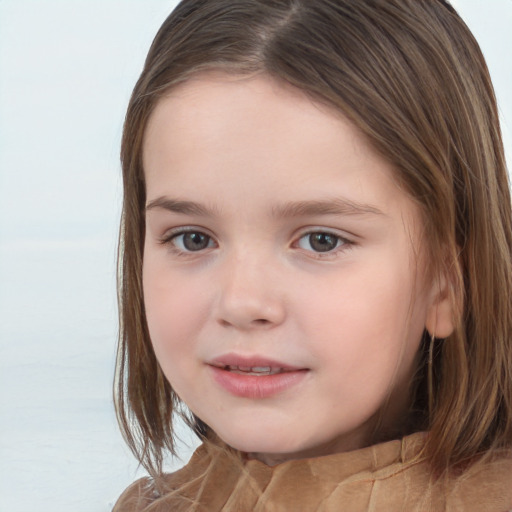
(487, 486)
(146, 495)
(150, 495)
(137, 497)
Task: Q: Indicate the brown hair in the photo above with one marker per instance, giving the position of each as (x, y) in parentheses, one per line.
(411, 76)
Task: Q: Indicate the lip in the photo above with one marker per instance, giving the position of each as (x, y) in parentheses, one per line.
(234, 373)
(250, 362)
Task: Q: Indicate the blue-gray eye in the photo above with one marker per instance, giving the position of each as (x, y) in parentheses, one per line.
(192, 241)
(320, 242)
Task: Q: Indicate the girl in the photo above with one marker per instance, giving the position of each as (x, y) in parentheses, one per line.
(315, 258)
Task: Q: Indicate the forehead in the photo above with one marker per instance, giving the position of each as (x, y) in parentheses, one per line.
(234, 112)
(249, 133)
(249, 103)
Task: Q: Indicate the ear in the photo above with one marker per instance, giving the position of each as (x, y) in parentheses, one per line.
(440, 314)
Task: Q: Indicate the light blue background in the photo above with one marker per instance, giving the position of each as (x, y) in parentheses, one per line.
(66, 71)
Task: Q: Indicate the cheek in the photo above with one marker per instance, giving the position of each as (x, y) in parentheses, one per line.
(175, 315)
(364, 322)
(174, 310)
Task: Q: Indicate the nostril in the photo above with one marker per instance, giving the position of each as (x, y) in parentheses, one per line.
(245, 311)
(256, 322)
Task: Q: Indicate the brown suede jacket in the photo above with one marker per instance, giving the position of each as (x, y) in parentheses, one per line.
(387, 477)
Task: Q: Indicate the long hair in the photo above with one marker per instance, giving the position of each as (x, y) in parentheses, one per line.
(411, 77)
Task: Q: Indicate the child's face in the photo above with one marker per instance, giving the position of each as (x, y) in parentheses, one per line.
(277, 239)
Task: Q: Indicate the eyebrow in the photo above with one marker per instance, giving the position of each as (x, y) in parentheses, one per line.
(179, 206)
(335, 206)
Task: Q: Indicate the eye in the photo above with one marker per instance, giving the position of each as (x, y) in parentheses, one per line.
(191, 241)
(320, 242)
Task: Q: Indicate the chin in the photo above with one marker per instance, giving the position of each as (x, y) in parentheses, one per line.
(253, 444)
(257, 438)
(277, 441)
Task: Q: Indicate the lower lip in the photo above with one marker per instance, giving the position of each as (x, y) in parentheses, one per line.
(253, 386)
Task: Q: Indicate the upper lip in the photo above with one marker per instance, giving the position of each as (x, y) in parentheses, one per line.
(246, 362)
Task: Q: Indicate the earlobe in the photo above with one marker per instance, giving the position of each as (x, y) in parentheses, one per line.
(440, 315)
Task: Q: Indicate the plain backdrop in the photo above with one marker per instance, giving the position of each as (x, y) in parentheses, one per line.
(66, 71)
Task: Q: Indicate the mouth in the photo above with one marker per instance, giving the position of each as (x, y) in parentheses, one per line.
(255, 377)
(257, 371)
(252, 365)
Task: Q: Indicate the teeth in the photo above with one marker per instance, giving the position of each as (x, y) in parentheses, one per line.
(261, 369)
(254, 370)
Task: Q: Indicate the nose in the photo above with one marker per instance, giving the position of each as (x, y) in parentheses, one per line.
(250, 295)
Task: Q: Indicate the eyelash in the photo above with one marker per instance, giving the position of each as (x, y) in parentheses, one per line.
(170, 240)
(342, 243)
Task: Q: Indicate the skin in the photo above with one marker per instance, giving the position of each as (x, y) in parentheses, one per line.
(268, 167)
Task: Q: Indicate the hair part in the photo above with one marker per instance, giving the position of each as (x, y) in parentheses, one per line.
(411, 77)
